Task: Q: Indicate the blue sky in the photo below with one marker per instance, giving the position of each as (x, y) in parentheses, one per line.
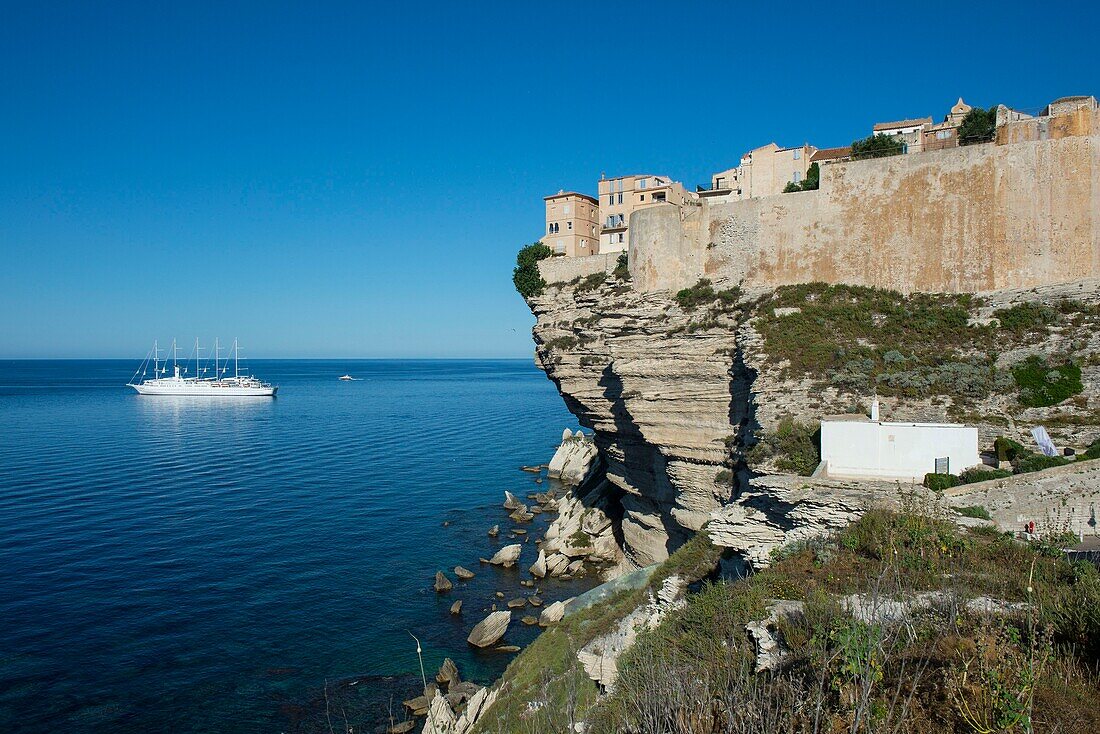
(351, 180)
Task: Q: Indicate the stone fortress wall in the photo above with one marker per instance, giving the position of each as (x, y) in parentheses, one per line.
(1020, 212)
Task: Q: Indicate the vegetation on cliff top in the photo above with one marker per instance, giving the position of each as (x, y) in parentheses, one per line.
(872, 340)
(1026, 663)
(526, 276)
(876, 146)
(979, 126)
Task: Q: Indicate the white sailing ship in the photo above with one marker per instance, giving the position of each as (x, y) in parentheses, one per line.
(219, 384)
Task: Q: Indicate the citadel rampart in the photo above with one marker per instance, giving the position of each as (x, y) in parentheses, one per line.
(1021, 212)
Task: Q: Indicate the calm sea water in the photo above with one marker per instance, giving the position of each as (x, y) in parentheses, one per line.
(187, 565)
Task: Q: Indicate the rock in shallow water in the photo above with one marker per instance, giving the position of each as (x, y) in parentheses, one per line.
(464, 573)
(456, 608)
(442, 583)
(494, 531)
(489, 630)
(507, 555)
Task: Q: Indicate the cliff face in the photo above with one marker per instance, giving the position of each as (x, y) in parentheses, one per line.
(678, 392)
(658, 399)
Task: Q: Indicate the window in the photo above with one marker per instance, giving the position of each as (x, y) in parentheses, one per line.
(567, 208)
(569, 226)
(559, 247)
(610, 199)
(797, 177)
(620, 198)
(943, 134)
(797, 155)
(641, 197)
(621, 236)
(642, 183)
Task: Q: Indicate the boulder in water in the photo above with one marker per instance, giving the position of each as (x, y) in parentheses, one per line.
(489, 630)
(538, 568)
(510, 501)
(507, 556)
(442, 583)
(456, 608)
(464, 573)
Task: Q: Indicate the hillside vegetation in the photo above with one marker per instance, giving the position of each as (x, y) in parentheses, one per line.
(1006, 639)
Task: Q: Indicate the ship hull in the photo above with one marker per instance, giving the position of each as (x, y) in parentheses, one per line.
(210, 391)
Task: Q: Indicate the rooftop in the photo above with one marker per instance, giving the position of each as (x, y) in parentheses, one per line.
(915, 122)
(563, 194)
(828, 154)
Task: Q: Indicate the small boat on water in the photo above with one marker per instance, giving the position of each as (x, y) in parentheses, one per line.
(347, 378)
(220, 384)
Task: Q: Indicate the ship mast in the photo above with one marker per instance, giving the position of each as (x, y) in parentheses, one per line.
(197, 373)
(175, 367)
(156, 360)
(236, 362)
(217, 353)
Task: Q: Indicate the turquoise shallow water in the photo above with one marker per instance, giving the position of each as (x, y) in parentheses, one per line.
(186, 565)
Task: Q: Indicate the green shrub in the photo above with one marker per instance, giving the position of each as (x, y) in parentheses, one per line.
(561, 342)
(795, 446)
(526, 276)
(940, 482)
(876, 146)
(1093, 451)
(1042, 385)
(622, 271)
(1009, 450)
(791, 187)
(979, 126)
(724, 476)
(979, 474)
(1038, 462)
(813, 178)
(699, 294)
(1025, 317)
(975, 511)
(591, 282)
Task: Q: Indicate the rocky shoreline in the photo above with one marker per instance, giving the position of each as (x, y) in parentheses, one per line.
(579, 542)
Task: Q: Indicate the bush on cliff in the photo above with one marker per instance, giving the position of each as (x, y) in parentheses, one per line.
(1042, 384)
(876, 146)
(810, 183)
(979, 126)
(622, 270)
(526, 276)
(794, 447)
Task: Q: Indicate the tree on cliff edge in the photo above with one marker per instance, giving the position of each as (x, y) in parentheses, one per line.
(876, 146)
(979, 126)
(526, 276)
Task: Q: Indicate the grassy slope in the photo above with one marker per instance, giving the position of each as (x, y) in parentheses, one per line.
(944, 670)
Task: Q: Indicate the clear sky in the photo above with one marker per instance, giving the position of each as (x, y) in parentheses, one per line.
(353, 179)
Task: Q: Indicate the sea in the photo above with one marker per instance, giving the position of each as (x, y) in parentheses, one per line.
(257, 565)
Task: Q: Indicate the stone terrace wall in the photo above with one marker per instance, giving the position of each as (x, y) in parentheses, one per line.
(565, 269)
(966, 219)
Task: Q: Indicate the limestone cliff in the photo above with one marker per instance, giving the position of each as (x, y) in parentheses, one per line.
(679, 390)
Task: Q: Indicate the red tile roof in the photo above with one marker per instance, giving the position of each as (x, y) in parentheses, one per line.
(831, 154)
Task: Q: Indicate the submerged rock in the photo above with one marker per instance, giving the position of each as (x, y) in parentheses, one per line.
(494, 531)
(529, 620)
(456, 608)
(464, 573)
(517, 603)
(489, 630)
